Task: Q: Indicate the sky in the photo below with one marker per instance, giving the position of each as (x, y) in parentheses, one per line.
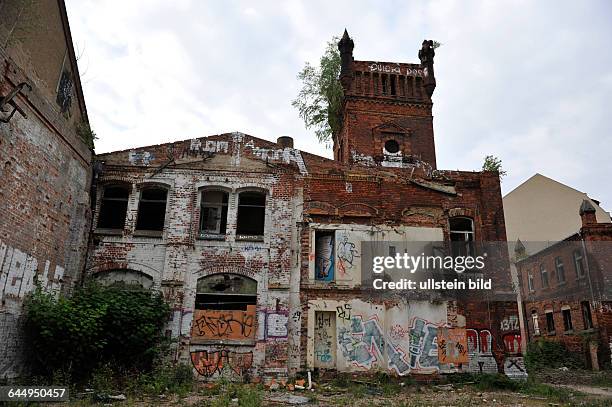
(527, 81)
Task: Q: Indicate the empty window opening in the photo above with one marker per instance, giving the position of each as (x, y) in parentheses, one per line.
(392, 83)
(550, 322)
(226, 292)
(586, 315)
(560, 270)
(392, 146)
(64, 92)
(544, 276)
(536, 323)
(462, 236)
(384, 84)
(213, 214)
(152, 209)
(251, 214)
(324, 255)
(579, 263)
(113, 207)
(567, 320)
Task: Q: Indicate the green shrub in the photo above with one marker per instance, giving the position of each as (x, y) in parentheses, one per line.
(550, 354)
(95, 326)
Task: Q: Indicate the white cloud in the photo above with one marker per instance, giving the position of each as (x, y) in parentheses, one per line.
(527, 81)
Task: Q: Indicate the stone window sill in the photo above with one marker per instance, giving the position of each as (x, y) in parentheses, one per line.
(249, 238)
(148, 233)
(108, 232)
(219, 342)
(211, 236)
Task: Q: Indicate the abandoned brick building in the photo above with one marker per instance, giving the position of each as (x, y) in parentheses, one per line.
(257, 245)
(565, 290)
(45, 164)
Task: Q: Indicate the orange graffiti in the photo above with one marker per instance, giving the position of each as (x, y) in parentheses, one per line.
(452, 345)
(214, 324)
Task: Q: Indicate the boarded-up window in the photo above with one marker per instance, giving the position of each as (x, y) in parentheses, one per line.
(251, 214)
(324, 255)
(113, 207)
(213, 213)
(152, 209)
(225, 308)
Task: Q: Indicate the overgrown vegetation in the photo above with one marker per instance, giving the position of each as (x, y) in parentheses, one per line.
(492, 163)
(84, 131)
(544, 354)
(247, 395)
(95, 328)
(319, 102)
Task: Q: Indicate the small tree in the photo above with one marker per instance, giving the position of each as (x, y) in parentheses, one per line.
(492, 163)
(319, 102)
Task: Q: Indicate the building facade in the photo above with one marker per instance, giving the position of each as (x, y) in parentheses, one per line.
(258, 245)
(45, 164)
(565, 289)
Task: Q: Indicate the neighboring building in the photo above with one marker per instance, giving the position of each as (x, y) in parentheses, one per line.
(258, 245)
(544, 210)
(566, 290)
(45, 166)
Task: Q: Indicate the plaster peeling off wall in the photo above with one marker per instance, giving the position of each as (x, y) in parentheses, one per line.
(286, 155)
(355, 336)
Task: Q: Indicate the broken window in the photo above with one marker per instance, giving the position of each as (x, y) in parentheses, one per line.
(113, 207)
(578, 263)
(586, 314)
(550, 322)
(213, 214)
(567, 319)
(560, 270)
(251, 215)
(324, 255)
(64, 92)
(392, 146)
(226, 292)
(225, 308)
(152, 209)
(544, 276)
(462, 236)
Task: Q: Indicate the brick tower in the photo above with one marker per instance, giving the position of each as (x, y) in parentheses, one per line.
(386, 113)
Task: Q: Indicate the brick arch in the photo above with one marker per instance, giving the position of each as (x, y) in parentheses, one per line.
(229, 269)
(123, 265)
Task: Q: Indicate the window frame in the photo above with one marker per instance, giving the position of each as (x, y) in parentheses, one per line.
(101, 207)
(579, 260)
(530, 281)
(151, 232)
(568, 325)
(559, 266)
(221, 235)
(251, 236)
(550, 322)
(469, 236)
(544, 272)
(587, 316)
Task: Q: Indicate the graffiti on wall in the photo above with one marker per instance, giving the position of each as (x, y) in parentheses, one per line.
(512, 343)
(276, 325)
(324, 339)
(217, 325)
(510, 323)
(480, 351)
(452, 346)
(211, 362)
(18, 271)
(365, 345)
(140, 157)
(324, 258)
(514, 367)
(276, 353)
(347, 254)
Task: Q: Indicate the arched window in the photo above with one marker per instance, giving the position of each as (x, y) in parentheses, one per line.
(213, 212)
(152, 209)
(251, 214)
(124, 277)
(462, 236)
(226, 292)
(535, 321)
(113, 207)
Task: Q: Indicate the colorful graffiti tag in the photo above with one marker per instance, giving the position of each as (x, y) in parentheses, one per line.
(452, 346)
(208, 363)
(365, 345)
(480, 351)
(212, 324)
